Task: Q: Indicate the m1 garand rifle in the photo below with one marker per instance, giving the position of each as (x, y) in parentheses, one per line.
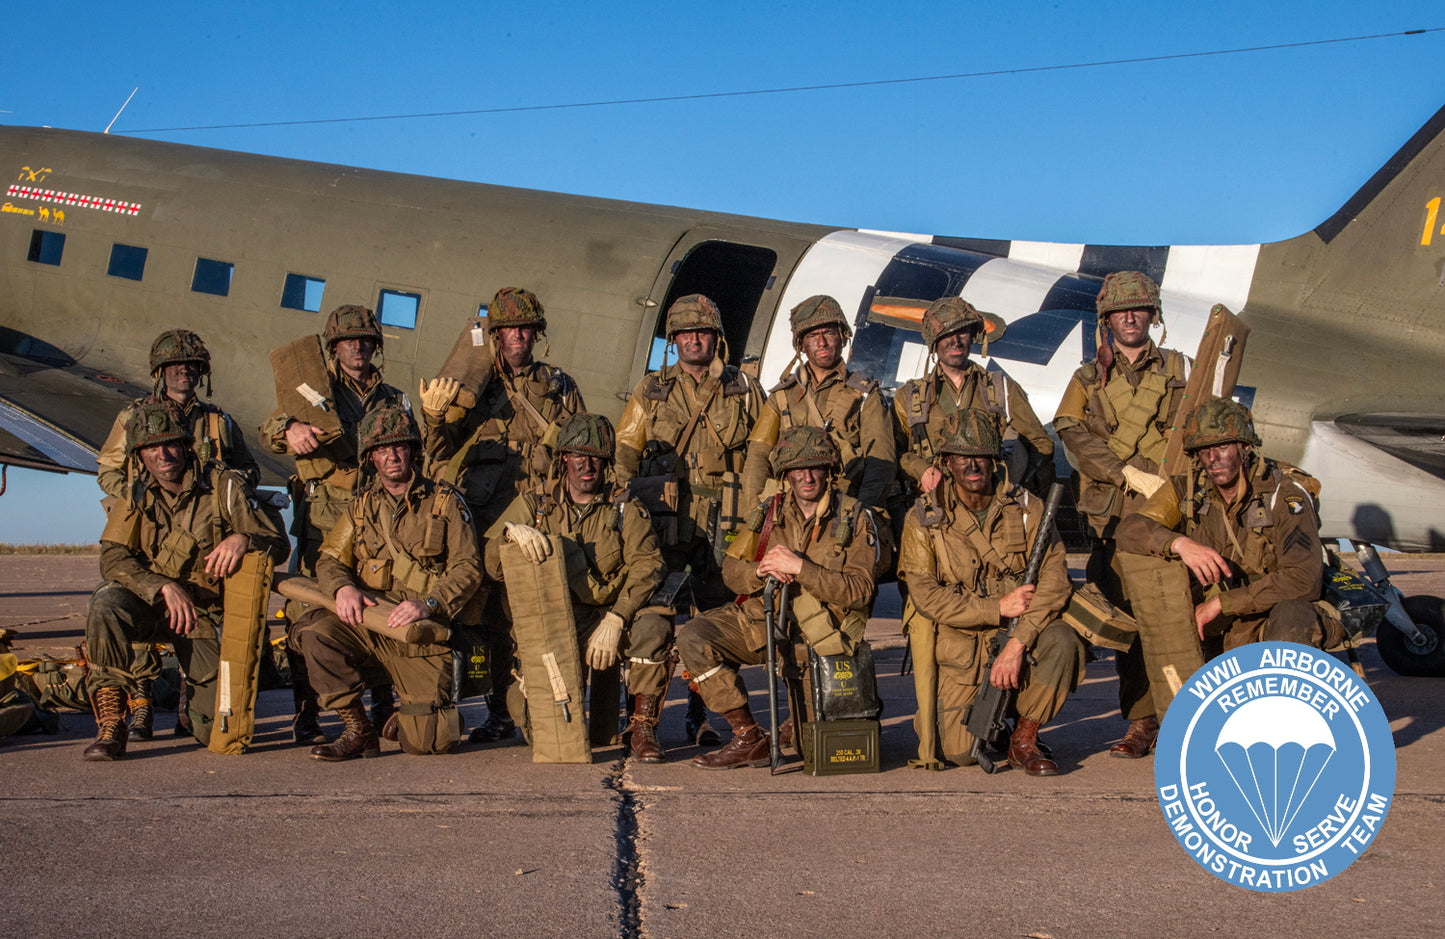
(775, 618)
(987, 717)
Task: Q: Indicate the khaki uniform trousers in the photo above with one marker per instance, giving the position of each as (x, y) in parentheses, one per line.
(1288, 621)
(717, 642)
(340, 659)
(117, 617)
(962, 655)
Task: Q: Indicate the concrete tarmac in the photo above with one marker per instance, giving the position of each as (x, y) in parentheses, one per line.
(176, 841)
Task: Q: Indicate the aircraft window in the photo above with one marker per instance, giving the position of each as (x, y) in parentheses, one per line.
(212, 277)
(127, 261)
(302, 293)
(660, 355)
(46, 247)
(398, 308)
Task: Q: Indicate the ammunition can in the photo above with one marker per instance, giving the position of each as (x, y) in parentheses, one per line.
(839, 748)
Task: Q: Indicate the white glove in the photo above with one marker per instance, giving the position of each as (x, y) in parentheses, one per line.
(606, 638)
(438, 394)
(533, 543)
(1146, 484)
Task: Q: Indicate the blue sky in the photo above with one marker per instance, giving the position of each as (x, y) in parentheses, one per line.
(1240, 148)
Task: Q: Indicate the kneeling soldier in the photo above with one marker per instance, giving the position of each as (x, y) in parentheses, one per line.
(613, 567)
(810, 535)
(409, 540)
(167, 547)
(964, 553)
(1246, 528)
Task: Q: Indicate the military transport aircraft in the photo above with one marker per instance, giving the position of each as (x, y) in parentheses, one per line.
(108, 241)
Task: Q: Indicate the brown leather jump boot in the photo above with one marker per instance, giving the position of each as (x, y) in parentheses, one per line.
(1139, 739)
(306, 725)
(109, 707)
(642, 740)
(749, 746)
(1023, 750)
(358, 738)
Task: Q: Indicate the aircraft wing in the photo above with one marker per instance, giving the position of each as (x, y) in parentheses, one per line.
(55, 417)
(1415, 438)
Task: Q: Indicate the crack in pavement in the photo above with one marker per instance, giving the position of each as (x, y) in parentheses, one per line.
(627, 877)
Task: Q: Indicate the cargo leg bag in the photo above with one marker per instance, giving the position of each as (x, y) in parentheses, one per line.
(547, 648)
(248, 591)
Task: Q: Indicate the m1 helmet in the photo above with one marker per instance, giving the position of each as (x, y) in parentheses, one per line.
(691, 313)
(947, 315)
(153, 424)
(820, 310)
(175, 346)
(1128, 290)
(1219, 420)
(589, 435)
(384, 426)
(971, 432)
(352, 322)
(516, 306)
(801, 446)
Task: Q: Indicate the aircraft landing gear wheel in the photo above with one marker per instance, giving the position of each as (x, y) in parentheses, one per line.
(1406, 657)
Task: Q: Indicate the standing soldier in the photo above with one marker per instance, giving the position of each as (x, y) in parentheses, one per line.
(497, 448)
(168, 544)
(964, 552)
(179, 361)
(613, 567)
(824, 392)
(680, 445)
(407, 539)
(1247, 531)
(1114, 420)
(328, 469)
(951, 326)
(811, 535)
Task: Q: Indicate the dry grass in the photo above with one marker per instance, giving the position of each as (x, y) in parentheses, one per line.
(8, 549)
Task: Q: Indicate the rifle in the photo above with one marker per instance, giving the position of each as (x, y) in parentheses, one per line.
(987, 717)
(775, 614)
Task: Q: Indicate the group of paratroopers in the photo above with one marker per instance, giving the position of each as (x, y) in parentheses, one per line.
(664, 531)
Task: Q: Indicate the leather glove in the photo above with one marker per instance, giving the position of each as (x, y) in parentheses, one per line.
(438, 394)
(533, 543)
(1146, 484)
(606, 638)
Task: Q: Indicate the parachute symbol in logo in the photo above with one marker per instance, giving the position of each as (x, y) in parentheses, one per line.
(1275, 750)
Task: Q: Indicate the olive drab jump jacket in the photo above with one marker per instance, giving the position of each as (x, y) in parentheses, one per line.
(336, 463)
(502, 445)
(1272, 534)
(840, 550)
(849, 404)
(958, 570)
(1122, 421)
(164, 538)
(710, 420)
(922, 404)
(214, 436)
(613, 562)
(418, 545)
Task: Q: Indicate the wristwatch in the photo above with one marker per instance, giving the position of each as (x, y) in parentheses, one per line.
(432, 605)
